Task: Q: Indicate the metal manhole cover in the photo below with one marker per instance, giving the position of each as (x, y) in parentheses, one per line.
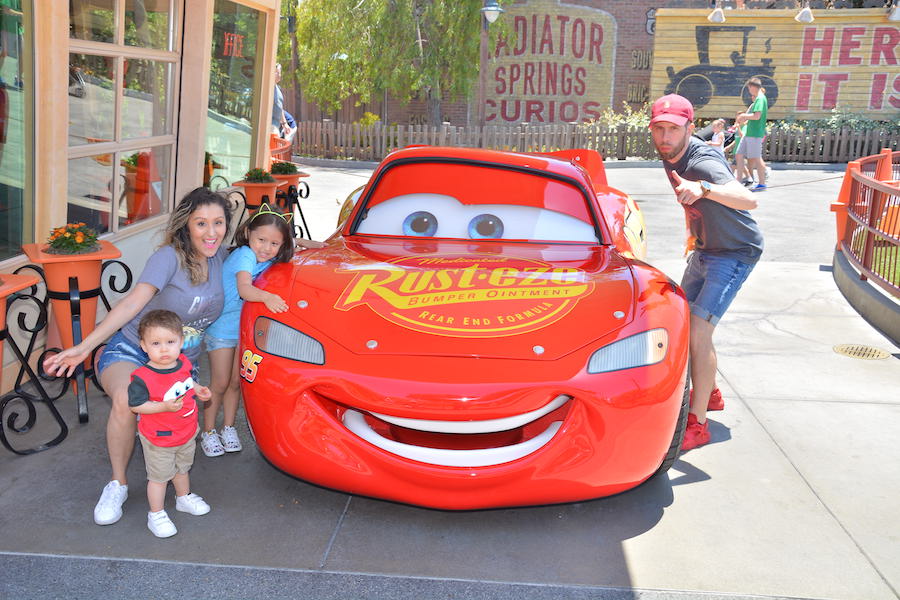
(860, 351)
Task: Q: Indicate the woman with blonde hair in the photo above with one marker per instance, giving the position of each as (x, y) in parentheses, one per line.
(184, 276)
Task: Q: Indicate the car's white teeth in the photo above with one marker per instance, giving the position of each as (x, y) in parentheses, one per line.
(486, 426)
(356, 422)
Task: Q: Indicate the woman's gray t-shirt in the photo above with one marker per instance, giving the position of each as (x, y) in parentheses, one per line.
(197, 305)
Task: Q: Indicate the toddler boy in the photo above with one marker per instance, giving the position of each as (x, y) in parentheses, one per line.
(163, 393)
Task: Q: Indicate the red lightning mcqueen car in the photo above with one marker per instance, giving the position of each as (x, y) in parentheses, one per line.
(481, 331)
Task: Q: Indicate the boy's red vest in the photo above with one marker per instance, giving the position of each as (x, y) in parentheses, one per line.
(168, 429)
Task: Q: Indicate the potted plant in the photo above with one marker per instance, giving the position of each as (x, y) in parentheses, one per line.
(137, 186)
(287, 172)
(72, 259)
(131, 162)
(259, 186)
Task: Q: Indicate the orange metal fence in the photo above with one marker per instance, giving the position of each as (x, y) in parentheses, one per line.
(868, 218)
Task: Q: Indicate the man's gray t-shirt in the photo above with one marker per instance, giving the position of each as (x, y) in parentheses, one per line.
(197, 305)
(719, 229)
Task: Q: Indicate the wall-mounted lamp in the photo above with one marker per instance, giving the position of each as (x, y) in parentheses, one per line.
(717, 15)
(805, 15)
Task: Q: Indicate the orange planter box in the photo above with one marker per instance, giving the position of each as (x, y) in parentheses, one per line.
(58, 268)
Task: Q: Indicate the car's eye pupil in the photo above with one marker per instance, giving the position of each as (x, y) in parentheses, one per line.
(420, 223)
(486, 226)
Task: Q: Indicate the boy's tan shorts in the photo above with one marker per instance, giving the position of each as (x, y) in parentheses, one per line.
(164, 463)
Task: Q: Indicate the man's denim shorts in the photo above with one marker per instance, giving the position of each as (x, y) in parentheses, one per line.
(711, 282)
(119, 349)
(214, 343)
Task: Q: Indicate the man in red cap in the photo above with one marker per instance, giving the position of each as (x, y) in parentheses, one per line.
(726, 243)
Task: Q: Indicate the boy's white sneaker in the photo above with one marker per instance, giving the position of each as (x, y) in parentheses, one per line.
(160, 524)
(230, 440)
(191, 503)
(211, 443)
(109, 507)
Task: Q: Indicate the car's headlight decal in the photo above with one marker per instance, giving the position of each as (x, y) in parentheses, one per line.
(646, 348)
(277, 338)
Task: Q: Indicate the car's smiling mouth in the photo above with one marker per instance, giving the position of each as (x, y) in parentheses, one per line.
(461, 443)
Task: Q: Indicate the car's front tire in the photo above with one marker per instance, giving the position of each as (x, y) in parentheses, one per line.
(678, 437)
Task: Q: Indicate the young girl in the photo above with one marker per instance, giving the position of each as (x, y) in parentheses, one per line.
(718, 137)
(262, 240)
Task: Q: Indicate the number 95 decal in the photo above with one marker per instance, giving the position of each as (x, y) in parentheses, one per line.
(250, 365)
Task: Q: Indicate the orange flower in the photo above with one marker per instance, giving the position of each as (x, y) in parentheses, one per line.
(79, 237)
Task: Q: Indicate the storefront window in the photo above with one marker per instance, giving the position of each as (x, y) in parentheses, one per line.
(92, 99)
(16, 135)
(93, 20)
(142, 192)
(232, 89)
(146, 106)
(90, 191)
(148, 24)
(121, 130)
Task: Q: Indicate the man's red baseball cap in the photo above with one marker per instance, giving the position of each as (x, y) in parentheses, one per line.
(672, 109)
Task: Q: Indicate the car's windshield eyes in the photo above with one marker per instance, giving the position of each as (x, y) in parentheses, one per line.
(437, 215)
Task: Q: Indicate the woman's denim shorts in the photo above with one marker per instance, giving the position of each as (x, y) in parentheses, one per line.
(214, 343)
(119, 349)
(711, 282)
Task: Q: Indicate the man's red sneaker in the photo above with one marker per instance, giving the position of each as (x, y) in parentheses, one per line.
(716, 401)
(696, 434)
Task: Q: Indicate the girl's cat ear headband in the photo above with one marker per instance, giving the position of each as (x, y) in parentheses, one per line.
(265, 210)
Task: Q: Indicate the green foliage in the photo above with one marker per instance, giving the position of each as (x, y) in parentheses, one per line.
(283, 168)
(840, 118)
(428, 48)
(131, 162)
(628, 116)
(258, 176)
(72, 238)
(368, 119)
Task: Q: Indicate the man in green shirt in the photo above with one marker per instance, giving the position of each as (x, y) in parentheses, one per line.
(752, 141)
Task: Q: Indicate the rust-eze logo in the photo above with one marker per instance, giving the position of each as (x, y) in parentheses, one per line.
(467, 296)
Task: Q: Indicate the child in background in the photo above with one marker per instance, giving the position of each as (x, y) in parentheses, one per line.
(163, 393)
(262, 240)
(718, 136)
(744, 176)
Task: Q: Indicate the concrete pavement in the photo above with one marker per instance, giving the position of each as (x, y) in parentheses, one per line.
(795, 497)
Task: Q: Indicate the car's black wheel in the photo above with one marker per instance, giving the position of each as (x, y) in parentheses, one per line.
(678, 437)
